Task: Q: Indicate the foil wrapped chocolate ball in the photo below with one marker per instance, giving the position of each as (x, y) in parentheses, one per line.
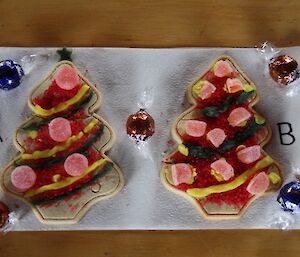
(140, 125)
(4, 212)
(289, 197)
(11, 74)
(283, 69)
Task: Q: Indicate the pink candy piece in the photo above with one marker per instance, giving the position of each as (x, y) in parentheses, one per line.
(76, 164)
(238, 115)
(66, 77)
(195, 128)
(222, 69)
(181, 173)
(249, 154)
(207, 90)
(23, 178)
(60, 129)
(258, 184)
(234, 85)
(223, 168)
(216, 136)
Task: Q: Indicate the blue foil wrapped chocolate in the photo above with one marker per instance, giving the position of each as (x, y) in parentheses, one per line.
(289, 197)
(11, 74)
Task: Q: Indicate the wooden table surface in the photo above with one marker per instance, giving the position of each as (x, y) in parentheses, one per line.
(164, 23)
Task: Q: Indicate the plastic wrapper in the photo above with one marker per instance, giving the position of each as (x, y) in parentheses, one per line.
(156, 80)
(281, 67)
(284, 221)
(140, 125)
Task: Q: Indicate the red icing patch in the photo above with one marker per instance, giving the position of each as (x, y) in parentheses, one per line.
(74, 196)
(76, 164)
(49, 205)
(73, 148)
(60, 129)
(236, 198)
(66, 77)
(50, 194)
(45, 177)
(79, 115)
(55, 95)
(73, 208)
(23, 178)
(219, 94)
(43, 140)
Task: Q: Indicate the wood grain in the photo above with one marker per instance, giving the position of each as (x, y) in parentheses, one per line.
(227, 243)
(157, 23)
(164, 23)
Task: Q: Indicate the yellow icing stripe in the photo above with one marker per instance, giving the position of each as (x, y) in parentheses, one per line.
(249, 87)
(197, 87)
(59, 148)
(48, 153)
(274, 178)
(62, 106)
(32, 134)
(216, 175)
(183, 149)
(91, 124)
(259, 119)
(68, 181)
(56, 178)
(203, 192)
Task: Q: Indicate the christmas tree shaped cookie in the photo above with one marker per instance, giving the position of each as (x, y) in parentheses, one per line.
(220, 164)
(62, 169)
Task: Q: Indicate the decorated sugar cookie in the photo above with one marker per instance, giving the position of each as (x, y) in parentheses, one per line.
(220, 164)
(62, 169)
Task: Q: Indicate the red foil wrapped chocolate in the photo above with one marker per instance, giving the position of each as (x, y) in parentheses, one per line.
(283, 69)
(140, 125)
(4, 211)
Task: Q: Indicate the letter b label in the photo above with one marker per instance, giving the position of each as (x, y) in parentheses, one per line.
(285, 133)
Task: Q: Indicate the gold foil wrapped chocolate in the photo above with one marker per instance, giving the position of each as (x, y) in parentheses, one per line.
(283, 69)
(140, 125)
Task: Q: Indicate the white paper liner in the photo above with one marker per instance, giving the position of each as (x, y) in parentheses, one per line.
(122, 75)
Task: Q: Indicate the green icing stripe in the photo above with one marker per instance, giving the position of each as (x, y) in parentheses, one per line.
(215, 111)
(198, 151)
(50, 163)
(99, 174)
(38, 125)
(243, 97)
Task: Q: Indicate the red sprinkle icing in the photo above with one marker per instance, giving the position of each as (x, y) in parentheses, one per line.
(44, 177)
(55, 95)
(43, 140)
